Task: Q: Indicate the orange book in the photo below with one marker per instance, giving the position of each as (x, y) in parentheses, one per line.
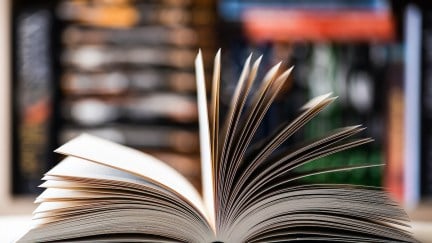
(317, 25)
(394, 181)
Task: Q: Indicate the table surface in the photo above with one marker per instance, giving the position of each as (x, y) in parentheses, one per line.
(12, 227)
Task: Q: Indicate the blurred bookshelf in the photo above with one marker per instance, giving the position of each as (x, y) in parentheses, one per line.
(123, 70)
(373, 55)
(118, 69)
(334, 50)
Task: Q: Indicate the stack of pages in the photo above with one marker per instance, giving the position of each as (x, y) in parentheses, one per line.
(252, 192)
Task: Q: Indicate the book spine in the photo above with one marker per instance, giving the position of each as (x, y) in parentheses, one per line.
(32, 99)
(121, 82)
(233, 10)
(97, 58)
(152, 107)
(412, 29)
(155, 35)
(426, 108)
(126, 15)
(307, 25)
(394, 170)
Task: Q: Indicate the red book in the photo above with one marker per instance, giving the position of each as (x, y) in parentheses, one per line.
(270, 24)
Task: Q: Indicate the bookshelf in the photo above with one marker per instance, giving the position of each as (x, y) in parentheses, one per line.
(11, 204)
(154, 56)
(396, 101)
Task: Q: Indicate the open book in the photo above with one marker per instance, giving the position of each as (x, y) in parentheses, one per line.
(251, 192)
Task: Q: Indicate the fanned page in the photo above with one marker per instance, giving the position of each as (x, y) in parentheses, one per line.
(207, 174)
(103, 191)
(126, 159)
(214, 117)
(260, 196)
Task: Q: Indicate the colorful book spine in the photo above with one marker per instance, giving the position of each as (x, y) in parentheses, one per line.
(33, 95)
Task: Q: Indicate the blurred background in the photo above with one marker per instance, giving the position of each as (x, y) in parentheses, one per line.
(123, 70)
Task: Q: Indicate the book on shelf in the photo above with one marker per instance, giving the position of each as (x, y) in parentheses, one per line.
(97, 58)
(298, 25)
(251, 191)
(121, 82)
(33, 98)
(131, 14)
(142, 35)
(153, 106)
(420, 29)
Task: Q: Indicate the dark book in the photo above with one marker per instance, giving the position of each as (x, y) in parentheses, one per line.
(33, 98)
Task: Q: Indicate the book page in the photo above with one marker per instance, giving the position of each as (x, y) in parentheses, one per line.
(262, 152)
(356, 212)
(204, 133)
(214, 115)
(126, 159)
(262, 99)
